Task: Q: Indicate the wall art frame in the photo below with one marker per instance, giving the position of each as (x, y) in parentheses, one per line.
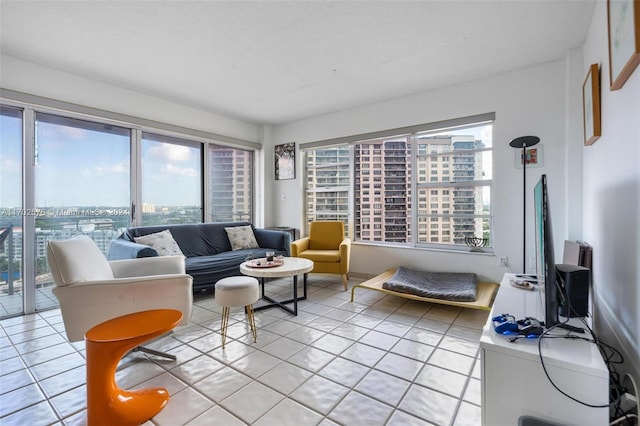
(623, 23)
(285, 161)
(591, 105)
(534, 157)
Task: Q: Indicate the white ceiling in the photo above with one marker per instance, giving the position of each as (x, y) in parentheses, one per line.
(281, 61)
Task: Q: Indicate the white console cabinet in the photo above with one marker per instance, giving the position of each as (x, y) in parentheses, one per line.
(514, 383)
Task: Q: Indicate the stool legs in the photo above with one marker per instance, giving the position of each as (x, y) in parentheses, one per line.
(225, 323)
(108, 404)
(252, 323)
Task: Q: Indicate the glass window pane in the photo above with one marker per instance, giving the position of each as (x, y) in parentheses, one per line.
(171, 180)
(451, 169)
(81, 184)
(230, 184)
(392, 189)
(11, 212)
(465, 206)
(327, 172)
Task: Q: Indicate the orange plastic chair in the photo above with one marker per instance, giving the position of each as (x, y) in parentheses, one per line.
(106, 344)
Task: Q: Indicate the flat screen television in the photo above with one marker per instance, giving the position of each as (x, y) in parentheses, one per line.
(545, 264)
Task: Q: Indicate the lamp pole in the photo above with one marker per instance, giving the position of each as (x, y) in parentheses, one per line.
(524, 142)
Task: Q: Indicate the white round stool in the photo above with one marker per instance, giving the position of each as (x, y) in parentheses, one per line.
(237, 291)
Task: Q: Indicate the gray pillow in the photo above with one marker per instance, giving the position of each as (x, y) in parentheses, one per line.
(162, 242)
(241, 237)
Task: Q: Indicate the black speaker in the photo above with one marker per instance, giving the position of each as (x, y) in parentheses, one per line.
(574, 281)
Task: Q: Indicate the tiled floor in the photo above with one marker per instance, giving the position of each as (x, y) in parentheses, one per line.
(380, 360)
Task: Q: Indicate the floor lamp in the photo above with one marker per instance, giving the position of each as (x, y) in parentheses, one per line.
(524, 142)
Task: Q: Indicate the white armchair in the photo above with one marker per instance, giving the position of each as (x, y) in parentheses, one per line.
(91, 289)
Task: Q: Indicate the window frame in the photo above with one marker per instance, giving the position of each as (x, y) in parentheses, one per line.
(416, 132)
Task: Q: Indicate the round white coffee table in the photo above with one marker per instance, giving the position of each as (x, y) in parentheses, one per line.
(292, 267)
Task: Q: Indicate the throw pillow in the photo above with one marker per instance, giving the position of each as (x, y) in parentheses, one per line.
(241, 237)
(162, 242)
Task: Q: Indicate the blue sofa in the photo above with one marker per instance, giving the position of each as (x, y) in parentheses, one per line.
(206, 247)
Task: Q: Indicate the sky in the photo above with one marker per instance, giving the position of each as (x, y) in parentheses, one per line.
(80, 167)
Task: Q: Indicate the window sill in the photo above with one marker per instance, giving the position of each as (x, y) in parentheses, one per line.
(462, 250)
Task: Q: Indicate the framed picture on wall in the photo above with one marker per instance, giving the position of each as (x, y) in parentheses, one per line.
(285, 156)
(533, 156)
(591, 105)
(623, 18)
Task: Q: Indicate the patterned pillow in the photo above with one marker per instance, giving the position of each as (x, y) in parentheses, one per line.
(162, 242)
(241, 237)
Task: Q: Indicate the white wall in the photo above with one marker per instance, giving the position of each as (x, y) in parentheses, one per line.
(611, 202)
(527, 102)
(34, 79)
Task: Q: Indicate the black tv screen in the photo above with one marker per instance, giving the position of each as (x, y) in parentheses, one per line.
(545, 264)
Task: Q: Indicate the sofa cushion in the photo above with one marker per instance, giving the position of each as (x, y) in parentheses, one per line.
(241, 237)
(162, 242)
(194, 239)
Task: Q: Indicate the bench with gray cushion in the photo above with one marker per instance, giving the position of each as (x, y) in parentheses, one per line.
(206, 246)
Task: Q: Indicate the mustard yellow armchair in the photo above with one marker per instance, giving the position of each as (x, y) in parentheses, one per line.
(327, 247)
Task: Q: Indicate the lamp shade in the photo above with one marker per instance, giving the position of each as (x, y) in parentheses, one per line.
(524, 141)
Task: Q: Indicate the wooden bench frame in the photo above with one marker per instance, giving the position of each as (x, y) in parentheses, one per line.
(484, 297)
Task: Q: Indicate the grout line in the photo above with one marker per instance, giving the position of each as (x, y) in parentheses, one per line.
(326, 300)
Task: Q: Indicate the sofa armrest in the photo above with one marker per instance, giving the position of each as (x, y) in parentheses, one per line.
(148, 266)
(123, 249)
(272, 238)
(298, 246)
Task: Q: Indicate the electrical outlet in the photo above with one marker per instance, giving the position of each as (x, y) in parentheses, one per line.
(504, 261)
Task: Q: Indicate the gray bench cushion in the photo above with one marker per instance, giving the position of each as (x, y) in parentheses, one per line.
(457, 286)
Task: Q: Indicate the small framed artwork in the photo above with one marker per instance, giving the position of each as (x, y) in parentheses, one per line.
(285, 156)
(591, 105)
(623, 18)
(533, 157)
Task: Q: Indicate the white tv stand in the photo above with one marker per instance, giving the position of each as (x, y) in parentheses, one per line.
(513, 381)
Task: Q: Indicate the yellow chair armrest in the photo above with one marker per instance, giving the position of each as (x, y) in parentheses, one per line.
(298, 246)
(345, 255)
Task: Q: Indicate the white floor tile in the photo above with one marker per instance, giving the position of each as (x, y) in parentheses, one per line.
(345, 372)
(363, 354)
(216, 416)
(429, 405)
(399, 366)
(251, 402)
(285, 377)
(319, 394)
(442, 380)
(311, 359)
(358, 409)
(383, 387)
(337, 363)
(289, 413)
(182, 407)
(468, 415)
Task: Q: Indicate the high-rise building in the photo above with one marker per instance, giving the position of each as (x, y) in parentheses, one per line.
(446, 210)
(230, 184)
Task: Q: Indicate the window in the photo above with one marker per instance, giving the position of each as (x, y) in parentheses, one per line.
(82, 184)
(230, 184)
(458, 160)
(171, 180)
(79, 173)
(11, 209)
(328, 179)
